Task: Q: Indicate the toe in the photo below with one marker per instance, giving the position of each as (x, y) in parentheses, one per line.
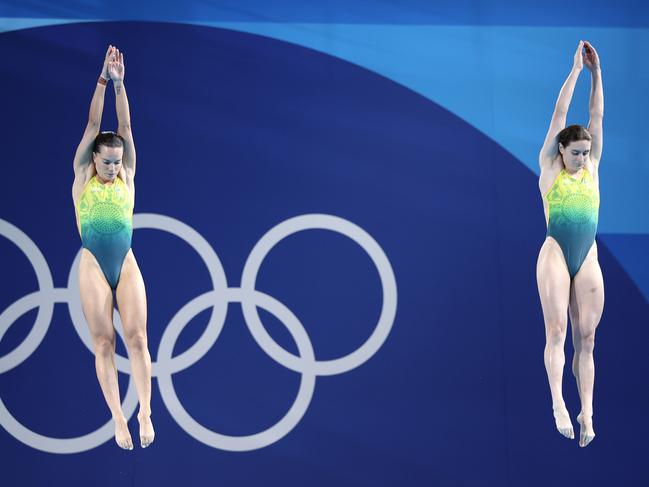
(146, 441)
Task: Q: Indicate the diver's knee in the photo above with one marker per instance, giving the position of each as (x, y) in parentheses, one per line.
(104, 345)
(136, 342)
(555, 331)
(588, 341)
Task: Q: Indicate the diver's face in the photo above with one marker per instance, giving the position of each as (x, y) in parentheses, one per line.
(576, 154)
(108, 162)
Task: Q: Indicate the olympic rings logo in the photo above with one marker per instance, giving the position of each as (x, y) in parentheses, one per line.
(165, 365)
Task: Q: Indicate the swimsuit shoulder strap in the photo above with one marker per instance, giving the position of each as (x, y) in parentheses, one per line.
(556, 179)
(91, 181)
(587, 177)
(85, 188)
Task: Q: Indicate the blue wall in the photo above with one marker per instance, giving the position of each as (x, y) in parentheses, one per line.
(403, 138)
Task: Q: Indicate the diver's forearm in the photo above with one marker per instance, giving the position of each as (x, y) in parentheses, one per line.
(596, 104)
(568, 88)
(121, 105)
(97, 105)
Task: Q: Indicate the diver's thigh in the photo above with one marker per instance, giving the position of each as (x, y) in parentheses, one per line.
(589, 291)
(131, 295)
(573, 313)
(96, 296)
(553, 280)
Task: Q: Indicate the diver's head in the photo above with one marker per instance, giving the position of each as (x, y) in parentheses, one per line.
(574, 147)
(107, 155)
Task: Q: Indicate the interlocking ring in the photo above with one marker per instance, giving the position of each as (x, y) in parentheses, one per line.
(165, 365)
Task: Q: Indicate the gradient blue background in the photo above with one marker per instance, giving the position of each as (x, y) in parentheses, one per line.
(418, 121)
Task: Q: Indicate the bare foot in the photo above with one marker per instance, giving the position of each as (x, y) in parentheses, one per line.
(122, 435)
(562, 420)
(586, 432)
(147, 434)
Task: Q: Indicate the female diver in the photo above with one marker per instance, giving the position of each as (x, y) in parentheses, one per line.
(104, 192)
(568, 273)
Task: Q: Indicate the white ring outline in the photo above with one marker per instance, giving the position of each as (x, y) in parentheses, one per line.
(218, 299)
(371, 247)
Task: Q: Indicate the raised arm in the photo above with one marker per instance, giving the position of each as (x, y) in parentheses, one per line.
(84, 150)
(596, 105)
(558, 123)
(116, 70)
